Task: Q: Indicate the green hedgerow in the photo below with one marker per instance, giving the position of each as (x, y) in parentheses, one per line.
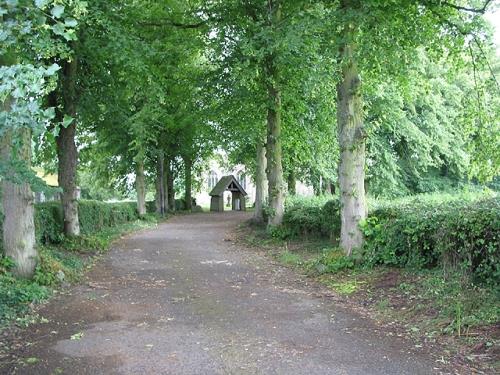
(455, 231)
(457, 234)
(312, 216)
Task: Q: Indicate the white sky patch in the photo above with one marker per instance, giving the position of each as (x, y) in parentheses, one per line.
(493, 15)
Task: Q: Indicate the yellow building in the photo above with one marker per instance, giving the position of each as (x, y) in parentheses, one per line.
(52, 181)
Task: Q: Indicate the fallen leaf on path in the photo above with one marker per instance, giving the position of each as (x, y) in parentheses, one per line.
(216, 262)
(76, 336)
(96, 285)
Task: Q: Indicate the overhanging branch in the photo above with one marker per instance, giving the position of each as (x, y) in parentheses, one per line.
(466, 9)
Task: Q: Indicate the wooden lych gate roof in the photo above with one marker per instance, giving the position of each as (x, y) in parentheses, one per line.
(227, 183)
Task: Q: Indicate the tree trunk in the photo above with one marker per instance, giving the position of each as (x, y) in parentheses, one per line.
(166, 172)
(18, 209)
(188, 164)
(170, 186)
(328, 187)
(291, 182)
(160, 188)
(316, 185)
(274, 153)
(67, 152)
(140, 187)
(351, 137)
(260, 183)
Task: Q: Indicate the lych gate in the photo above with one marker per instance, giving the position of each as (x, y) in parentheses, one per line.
(237, 192)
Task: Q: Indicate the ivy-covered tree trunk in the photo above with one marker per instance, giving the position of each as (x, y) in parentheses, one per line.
(67, 152)
(351, 137)
(17, 206)
(188, 165)
(291, 182)
(140, 187)
(160, 187)
(170, 186)
(260, 182)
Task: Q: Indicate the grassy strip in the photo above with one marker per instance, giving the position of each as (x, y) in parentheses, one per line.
(430, 306)
(59, 265)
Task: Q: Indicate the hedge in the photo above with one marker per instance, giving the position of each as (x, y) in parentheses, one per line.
(93, 216)
(450, 230)
(455, 234)
(311, 216)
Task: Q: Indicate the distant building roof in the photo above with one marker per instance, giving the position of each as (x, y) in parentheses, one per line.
(49, 178)
(227, 183)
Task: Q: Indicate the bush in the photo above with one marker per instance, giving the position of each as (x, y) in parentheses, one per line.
(331, 261)
(316, 216)
(427, 231)
(150, 207)
(456, 231)
(93, 215)
(16, 295)
(49, 222)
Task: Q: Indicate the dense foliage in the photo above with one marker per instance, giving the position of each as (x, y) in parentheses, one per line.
(311, 216)
(424, 233)
(94, 216)
(131, 98)
(455, 231)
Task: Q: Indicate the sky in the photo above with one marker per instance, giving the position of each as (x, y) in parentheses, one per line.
(494, 18)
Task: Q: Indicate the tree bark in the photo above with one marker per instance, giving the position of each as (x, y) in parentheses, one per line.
(160, 187)
(170, 185)
(351, 137)
(274, 154)
(166, 172)
(188, 165)
(273, 145)
(67, 152)
(291, 182)
(18, 208)
(316, 185)
(140, 187)
(328, 187)
(260, 183)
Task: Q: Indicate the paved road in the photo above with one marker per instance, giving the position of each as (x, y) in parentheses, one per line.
(184, 299)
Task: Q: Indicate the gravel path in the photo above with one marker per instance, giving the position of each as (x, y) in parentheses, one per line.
(185, 299)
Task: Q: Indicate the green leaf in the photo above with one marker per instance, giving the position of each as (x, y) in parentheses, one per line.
(77, 336)
(58, 28)
(67, 120)
(41, 3)
(52, 69)
(69, 35)
(70, 22)
(57, 11)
